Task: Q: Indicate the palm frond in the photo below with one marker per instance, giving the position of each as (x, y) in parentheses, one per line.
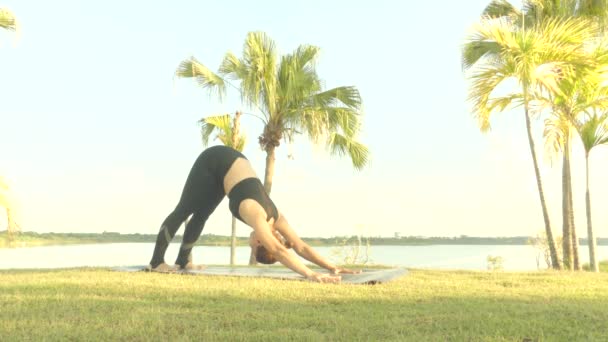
(258, 87)
(476, 50)
(501, 103)
(484, 82)
(7, 20)
(240, 144)
(191, 68)
(500, 8)
(306, 56)
(348, 96)
(344, 119)
(297, 78)
(232, 67)
(593, 131)
(555, 133)
(220, 125)
(547, 76)
(342, 145)
(568, 31)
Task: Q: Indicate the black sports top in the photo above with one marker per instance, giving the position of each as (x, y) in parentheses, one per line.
(251, 188)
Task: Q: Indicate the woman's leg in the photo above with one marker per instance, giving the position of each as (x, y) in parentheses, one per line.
(167, 232)
(195, 226)
(198, 187)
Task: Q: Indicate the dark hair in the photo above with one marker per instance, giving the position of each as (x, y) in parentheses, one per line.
(263, 256)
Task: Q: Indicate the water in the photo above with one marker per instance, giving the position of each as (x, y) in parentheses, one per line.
(465, 257)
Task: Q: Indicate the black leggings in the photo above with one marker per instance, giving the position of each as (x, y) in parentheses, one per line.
(202, 193)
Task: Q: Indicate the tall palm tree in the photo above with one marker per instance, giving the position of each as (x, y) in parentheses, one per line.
(534, 12)
(7, 202)
(577, 95)
(227, 131)
(593, 132)
(557, 135)
(536, 57)
(288, 94)
(7, 20)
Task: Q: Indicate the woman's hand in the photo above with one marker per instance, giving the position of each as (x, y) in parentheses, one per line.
(324, 278)
(340, 270)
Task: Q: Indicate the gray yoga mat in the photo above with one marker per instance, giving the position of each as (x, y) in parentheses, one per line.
(368, 276)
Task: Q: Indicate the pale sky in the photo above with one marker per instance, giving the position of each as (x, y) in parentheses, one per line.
(97, 135)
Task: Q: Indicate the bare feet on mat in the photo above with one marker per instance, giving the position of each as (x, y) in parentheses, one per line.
(191, 267)
(161, 268)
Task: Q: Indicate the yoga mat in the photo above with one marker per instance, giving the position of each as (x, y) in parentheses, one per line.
(368, 276)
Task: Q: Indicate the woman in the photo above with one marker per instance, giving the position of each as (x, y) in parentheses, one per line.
(221, 170)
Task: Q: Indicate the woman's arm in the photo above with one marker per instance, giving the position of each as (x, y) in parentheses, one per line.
(303, 249)
(264, 235)
(255, 216)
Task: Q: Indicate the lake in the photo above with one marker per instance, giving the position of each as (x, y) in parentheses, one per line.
(464, 257)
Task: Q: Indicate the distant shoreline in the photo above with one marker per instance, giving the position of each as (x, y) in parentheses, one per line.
(30, 239)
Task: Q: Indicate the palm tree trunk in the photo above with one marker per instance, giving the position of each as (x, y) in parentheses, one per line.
(236, 127)
(566, 228)
(575, 242)
(11, 229)
(269, 172)
(590, 237)
(550, 240)
(236, 124)
(233, 243)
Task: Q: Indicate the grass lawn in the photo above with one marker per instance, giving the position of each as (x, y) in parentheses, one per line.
(98, 304)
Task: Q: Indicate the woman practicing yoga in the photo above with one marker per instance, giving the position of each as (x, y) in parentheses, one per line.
(221, 170)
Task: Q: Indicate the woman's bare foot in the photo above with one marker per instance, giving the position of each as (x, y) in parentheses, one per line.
(191, 267)
(162, 268)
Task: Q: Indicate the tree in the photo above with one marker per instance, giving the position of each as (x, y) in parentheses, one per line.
(534, 12)
(8, 22)
(557, 138)
(7, 202)
(228, 132)
(536, 57)
(577, 95)
(288, 94)
(593, 132)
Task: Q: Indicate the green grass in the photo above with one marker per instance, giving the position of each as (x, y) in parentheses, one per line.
(603, 266)
(97, 304)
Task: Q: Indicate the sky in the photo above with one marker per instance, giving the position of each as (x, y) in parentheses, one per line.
(97, 135)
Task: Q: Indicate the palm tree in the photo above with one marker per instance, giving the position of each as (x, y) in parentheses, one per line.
(557, 138)
(593, 132)
(537, 58)
(577, 95)
(534, 12)
(288, 94)
(7, 20)
(7, 202)
(228, 132)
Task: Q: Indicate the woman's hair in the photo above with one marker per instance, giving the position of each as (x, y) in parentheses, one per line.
(263, 256)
